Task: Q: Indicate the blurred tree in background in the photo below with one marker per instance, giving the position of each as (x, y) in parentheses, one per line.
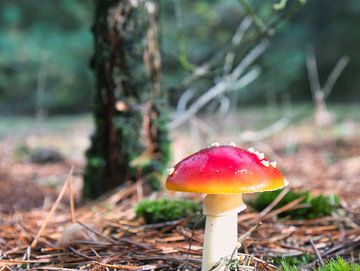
(47, 44)
(330, 27)
(130, 140)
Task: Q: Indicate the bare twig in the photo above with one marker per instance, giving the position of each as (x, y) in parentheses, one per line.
(274, 203)
(249, 59)
(335, 74)
(318, 255)
(313, 74)
(71, 199)
(213, 92)
(322, 116)
(53, 209)
(295, 204)
(238, 245)
(250, 12)
(235, 41)
(240, 240)
(184, 100)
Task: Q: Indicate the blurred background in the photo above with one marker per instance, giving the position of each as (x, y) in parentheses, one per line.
(306, 64)
(46, 49)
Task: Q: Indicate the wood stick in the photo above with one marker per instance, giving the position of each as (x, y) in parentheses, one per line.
(242, 238)
(71, 199)
(274, 203)
(53, 209)
(317, 252)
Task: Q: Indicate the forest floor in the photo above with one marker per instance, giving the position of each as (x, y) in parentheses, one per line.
(324, 161)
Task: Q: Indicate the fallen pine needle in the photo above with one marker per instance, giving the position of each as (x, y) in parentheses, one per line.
(53, 208)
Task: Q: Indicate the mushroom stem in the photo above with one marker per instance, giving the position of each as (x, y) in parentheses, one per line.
(221, 229)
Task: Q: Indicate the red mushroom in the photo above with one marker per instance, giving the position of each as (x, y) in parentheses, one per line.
(223, 173)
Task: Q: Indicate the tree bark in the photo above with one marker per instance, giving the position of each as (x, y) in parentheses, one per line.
(130, 138)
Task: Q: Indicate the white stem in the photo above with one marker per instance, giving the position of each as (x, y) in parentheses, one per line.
(221, 228)
(220, 238)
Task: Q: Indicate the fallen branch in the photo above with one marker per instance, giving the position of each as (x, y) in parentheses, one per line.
(216, 90)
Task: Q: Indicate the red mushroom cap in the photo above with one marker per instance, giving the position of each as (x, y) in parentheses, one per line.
(225, 170)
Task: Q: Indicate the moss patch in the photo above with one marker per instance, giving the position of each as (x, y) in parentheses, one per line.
(161, 210)
(316, 206)
(337, 264)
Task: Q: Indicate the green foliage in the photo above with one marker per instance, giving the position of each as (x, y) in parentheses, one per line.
(161, 210)
(54, 36)
(233, 265)
(45, 45)
(286, 267)
(21, 152)
(318, 206)
(289, 263)
(337, 264)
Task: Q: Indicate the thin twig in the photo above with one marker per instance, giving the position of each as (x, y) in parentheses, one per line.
(235, 41)
(250, 12)
(274, 203)
(317, 252)
(53, 208)
(335, 74)
(213, 92)
(240, 240)
(71, 198)
(313, 74)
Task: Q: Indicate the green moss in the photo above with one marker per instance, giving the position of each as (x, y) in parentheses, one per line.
(233, 265)
(21, 151)
(318, 206)
(161, 210)
(286, 267)
(337, 264)
(289, 263)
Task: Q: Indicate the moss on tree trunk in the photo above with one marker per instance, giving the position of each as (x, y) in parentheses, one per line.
(130, 138)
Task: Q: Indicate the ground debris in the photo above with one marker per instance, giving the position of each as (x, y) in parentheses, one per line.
(120, 241)
(123, 242)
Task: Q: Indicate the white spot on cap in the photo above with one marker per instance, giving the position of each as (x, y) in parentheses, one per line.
(260, 155)
(215, 144)
(232, 144)
(265, 163)
(252, 150)
(170, 171)
(273, 164)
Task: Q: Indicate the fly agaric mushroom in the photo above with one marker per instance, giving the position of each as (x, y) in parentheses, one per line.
(224, 173)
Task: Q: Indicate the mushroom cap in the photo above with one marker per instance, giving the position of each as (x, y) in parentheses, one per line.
(225, 170)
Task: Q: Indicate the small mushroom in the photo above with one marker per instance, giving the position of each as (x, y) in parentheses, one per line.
(224, 173)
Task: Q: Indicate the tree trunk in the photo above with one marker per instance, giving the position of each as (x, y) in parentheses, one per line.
(130, 139)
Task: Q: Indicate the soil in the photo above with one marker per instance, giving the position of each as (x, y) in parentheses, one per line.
(26, 185)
